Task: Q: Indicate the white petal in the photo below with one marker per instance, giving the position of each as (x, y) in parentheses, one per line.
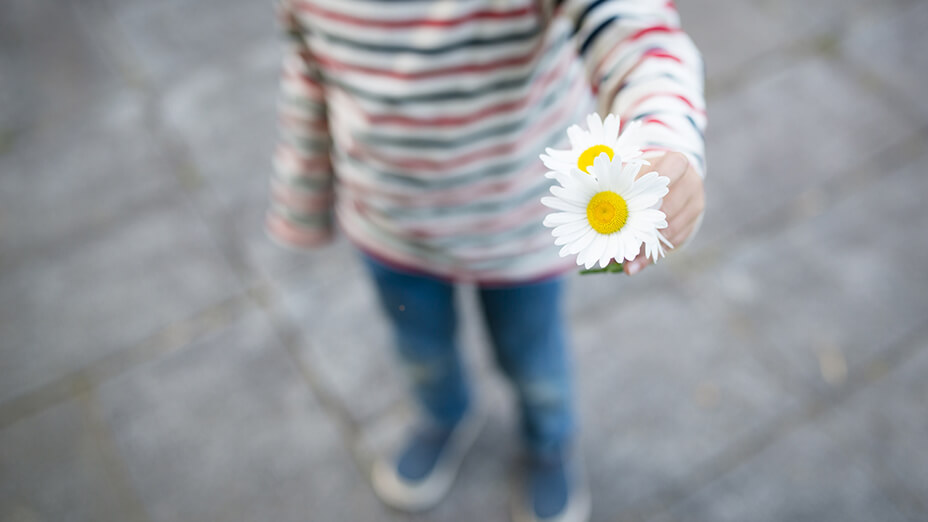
(570, 196)
(571, 237)
(576, 136)
(601, 166)
(609, 251)
(597, 250)
(664, 240)
(595, 124)
(632, 247)
(611, 127)
(583, 242)
(559, 204)
(557, 164)
(618, 247)
(562, 218)
(571, 228)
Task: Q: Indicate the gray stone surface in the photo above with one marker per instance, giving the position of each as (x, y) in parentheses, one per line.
(882, 427)
(831, 315)
(106, 292)
(716, 24)
(58, 465)
(227, 430)
(804, 476)
(891, 47)
(161, 360)
(786, 133)
(657, 402)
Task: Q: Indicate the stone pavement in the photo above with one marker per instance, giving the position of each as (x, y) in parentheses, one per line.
(161, 361)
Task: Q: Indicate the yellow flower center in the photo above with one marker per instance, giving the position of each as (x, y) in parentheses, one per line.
(585, 161)
(607, 212)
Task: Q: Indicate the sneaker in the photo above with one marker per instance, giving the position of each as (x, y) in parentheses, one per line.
(423, 472)
(552, 490)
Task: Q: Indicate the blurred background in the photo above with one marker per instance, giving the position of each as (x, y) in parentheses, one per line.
(160, 360)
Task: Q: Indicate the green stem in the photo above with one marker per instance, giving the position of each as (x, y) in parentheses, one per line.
(612, 268)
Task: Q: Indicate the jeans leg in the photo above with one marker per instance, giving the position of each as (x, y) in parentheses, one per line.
(421, 310)
(527, 328)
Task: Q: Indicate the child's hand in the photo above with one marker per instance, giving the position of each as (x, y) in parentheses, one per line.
(683, 205)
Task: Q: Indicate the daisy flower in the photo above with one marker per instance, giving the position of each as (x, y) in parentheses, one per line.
(585, 146)
(609, 214)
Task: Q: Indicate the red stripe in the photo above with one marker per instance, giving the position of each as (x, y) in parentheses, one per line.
(598, 72)
(490, 152)
(537, 92)
(648, 96)
(417, 22)
(293, 234)
(405, 263)
(300, 199)
(652, 119)
(660, 53)
(459, 69)
(290, 121)
(319, 164)
(653, 53)
(652, 29)
(302, 79)
(447, 197)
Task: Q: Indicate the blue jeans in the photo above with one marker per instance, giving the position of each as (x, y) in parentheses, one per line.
(526, 326)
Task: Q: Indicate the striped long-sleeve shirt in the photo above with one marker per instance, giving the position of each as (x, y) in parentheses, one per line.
(417, 124)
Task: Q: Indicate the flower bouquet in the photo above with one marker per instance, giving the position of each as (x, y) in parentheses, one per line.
(604, 212)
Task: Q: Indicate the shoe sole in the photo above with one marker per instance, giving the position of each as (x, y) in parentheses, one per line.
(578, 510)
(420, 496)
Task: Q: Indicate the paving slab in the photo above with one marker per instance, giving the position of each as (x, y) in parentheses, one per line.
(885, 426)
(803, 477)
(663, 390)
(344, 337)
(731, 35)
(168, 41)
(56, 465)
(891, 47)
(66, 184)
(831, 294)
(227, 429)
(112, 289)
(809, 123)
(47, 76)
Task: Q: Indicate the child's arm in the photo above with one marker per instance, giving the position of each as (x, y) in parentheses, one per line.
(301, 187)
(644, 67)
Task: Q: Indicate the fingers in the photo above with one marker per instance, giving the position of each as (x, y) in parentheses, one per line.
(683, 204)
(636, 265)
(682, 193)
(681, 225)
(672, 165)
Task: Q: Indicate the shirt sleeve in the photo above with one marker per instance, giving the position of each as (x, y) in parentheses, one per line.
(643, 67)
(300, 213)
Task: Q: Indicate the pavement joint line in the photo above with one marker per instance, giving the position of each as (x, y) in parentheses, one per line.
(111, 43)
(834, 190)
(168, 339)
(869, 80)
(772, 61)
(289, 337)
(906, 346)
(131, 508)
(182, 163)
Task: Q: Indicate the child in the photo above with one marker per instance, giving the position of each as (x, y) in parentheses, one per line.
(418, 124)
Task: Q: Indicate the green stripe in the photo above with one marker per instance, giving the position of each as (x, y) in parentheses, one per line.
(534, 114)
(493, 171)
(496, 88)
